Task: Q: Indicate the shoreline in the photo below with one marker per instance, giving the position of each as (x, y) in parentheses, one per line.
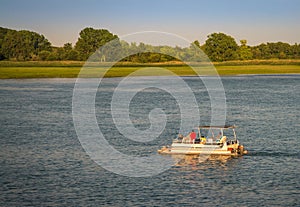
(63, 69)
(227, 76)
(69, 63)
(183, 76)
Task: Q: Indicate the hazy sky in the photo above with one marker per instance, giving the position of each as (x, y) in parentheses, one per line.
(61, 20)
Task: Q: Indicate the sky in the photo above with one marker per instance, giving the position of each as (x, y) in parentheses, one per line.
(60, 21)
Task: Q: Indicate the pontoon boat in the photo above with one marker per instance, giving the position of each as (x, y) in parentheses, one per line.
(219, 140)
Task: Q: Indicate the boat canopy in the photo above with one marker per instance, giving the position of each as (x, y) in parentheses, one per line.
(218, 127)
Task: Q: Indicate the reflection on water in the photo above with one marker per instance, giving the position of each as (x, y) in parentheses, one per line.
(199, 160)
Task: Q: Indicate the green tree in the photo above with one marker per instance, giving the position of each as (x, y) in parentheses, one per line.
(69, 53)
(43, 55)
(3, 32)
(221, 47)
(245, 52)
(154, 57)
(295, 51)
(168, 53)
(197, 43)
(52, 56)
(261, 51)
(72, 55)
(90, 40)
(193, 53)
(9, 47)
(280, 50)
(23, 45)
(67, 47)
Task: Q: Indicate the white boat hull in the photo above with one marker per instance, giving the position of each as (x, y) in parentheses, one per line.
(197, 149)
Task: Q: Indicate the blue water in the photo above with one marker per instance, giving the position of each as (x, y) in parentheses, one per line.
(43, 164)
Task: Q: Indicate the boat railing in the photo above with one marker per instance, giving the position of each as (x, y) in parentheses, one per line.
(207, 141)
(203, 140)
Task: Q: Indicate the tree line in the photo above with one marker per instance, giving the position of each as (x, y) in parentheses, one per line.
(26, 45)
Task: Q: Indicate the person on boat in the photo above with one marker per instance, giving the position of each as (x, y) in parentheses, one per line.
(193, 136)
(197, 140)
(203, 140)
(219, 136)
(180, 137)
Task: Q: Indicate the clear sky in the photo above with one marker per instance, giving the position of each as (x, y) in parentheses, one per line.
(61, 20)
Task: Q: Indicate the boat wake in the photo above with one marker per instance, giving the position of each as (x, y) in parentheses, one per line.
(273, 154)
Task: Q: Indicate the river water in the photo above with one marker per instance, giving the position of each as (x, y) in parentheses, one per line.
(42, 162)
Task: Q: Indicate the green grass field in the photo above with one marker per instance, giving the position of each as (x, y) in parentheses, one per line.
(71, 69)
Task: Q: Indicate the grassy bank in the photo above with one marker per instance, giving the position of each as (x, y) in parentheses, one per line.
(130, 64)
(71, 69)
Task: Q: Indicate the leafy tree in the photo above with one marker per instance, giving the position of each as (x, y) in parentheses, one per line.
(245, 52)
(43, 55)
(52, 56)
(280, 50)
(69, 53)
(23, 45)
(3, 32)
(154, 57)
(167, 53)
(67, 47)
(10, 44)
(193, 53)
(90, 40)
(221, 47)
(72, 55)
(197, 43)
(261, 51)
(276, 50)
(295, 50)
